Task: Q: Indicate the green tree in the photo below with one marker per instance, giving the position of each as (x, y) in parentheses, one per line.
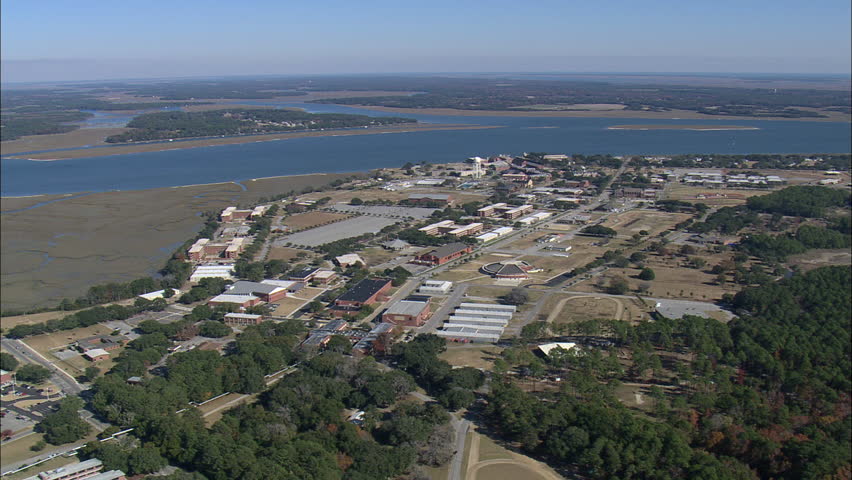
(213, 329)
(32, 373)
(517, 296)
(618, 286)
(91, 373)
(65, 424)
(8, 362)
(647, 274)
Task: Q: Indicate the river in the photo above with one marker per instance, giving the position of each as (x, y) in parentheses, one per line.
(364, 152)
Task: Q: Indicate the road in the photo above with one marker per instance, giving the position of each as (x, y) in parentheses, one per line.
(461, 428)
(62, 379)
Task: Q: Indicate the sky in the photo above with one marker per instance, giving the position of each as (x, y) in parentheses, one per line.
(53, 40)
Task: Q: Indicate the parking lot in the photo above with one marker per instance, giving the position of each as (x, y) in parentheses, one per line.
(417, 213)
(25, 405)
(336, 231)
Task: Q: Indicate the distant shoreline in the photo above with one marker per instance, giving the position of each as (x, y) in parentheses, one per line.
(108, 150)
(614, 113)
(700, 128)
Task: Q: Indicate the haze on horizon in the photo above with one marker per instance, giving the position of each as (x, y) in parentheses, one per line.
(89, 40)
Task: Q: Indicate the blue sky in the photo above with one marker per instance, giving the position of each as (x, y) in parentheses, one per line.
(71, 40)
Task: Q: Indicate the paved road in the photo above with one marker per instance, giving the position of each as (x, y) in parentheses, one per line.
(461, 428)
(62, 379)
(441, 314)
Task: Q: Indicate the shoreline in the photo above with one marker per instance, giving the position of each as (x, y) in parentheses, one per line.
(123, 149)
(604, 114)
(696, 128)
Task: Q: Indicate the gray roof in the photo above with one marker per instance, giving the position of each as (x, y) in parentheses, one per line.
(449, 249)
(407, 307)
(244, 287)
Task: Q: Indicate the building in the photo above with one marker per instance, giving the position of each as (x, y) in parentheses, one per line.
(319, 337)
(409, 312)
(435, 287)
(429, 182)
(377, 342)
(504, 210)
(304, 275)
(87, 470)
(212, 271)
(241, 301)
(494, 234)
(430, 198)
(151, 296)
(269, 291)
(535, 218)
(477, 322)
(345, 261)
(6, 378)
(443, 254)
(516, 270)
(365, 292)
(103, 342)
(323, 277)
(242, 319)
(449, 227)
(204, 249)
(231, 214)
(96, 354)
(548, 348)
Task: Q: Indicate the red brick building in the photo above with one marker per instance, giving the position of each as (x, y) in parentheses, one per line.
(444, 254)
(409, 312)
(365, 292)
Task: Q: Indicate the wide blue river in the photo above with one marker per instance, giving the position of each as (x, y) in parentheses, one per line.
(364, 152)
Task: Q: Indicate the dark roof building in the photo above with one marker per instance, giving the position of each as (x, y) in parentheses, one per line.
(365, 292)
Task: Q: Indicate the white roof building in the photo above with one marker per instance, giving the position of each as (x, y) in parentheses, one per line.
(549, 347)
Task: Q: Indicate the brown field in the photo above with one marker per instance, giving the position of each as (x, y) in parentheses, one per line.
(11, 322)
(714, 197)
(476, 356)
(821, 258)
(674, 282)
(285, 253)
(486, 460)
(377, 255)
(669, 115)
(633, 221)
(58, 250)
(210, 142)
(77, 138)
(303, 221)
(43, 344)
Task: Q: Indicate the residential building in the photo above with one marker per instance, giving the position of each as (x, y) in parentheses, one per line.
(443, 254)
(204, 249)
(303, 275)
(408, 312)
(323, 277)
(104, 342)
(242, 301)
(5, 378)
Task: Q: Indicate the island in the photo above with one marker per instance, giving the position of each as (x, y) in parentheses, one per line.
(178, 124)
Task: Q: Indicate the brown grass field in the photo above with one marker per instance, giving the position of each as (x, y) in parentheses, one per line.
(78, 138)
(477, 356)
(303, 221)
(821, 258)
(377, 255)
(51, 464)
(633, 221)
(58, 250)
(47, 342)
(288, 306)
(285, 253)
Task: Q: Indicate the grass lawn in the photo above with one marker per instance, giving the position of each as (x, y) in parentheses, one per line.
(471, 355)
(288, 306)
(302, 221)
(47, 342)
